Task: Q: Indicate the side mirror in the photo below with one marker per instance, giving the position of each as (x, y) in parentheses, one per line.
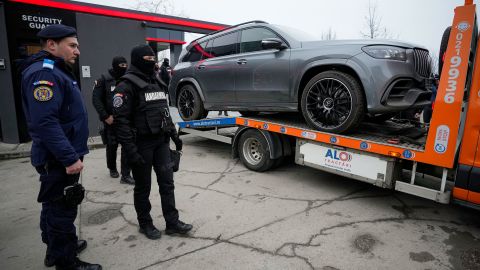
(273, 43)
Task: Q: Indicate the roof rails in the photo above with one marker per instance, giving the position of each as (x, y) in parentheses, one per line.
(230, 27)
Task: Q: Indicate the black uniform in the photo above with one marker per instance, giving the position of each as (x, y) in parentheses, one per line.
(144, 128)
(102, 98)
(164, 71)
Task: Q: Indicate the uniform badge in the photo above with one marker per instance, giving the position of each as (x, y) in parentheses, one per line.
(43, 93)
(117, 100)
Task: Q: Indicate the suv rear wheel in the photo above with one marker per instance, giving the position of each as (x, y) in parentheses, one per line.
(189, 104)
(333, 101)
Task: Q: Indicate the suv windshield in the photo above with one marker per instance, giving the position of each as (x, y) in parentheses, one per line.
(297, 34)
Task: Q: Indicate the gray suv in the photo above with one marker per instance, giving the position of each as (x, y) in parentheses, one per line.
(259, 67)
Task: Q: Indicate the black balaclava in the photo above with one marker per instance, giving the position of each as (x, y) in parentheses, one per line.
(119, 71)
(138, 52)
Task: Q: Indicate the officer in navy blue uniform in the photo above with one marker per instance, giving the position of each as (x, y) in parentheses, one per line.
(102, 97)
(57, 123)
(144, 128)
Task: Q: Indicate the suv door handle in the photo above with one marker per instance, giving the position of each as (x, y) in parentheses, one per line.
(242, 61)
(201, 67)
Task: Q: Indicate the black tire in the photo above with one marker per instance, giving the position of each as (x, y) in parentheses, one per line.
(333, 101)
(248, 113)
(205, 114)
(254, 151)
(189, 104)
(443, 48)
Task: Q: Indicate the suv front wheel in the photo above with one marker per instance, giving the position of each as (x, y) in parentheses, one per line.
(333, 101)
(189, 104)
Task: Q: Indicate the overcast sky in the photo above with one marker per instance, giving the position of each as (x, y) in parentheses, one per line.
(418, 21)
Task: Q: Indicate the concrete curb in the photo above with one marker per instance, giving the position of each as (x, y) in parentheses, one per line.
(23, 150)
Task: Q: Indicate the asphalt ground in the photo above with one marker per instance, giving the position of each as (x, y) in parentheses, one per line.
(292, 217)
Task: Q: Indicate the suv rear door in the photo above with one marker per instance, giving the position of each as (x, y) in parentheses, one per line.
(262, 75)
(215, 72)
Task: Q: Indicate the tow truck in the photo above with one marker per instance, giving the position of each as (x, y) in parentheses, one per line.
(440, 162)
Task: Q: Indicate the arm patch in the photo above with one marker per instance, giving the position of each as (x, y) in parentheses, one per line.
(43, 93)
(117, 100)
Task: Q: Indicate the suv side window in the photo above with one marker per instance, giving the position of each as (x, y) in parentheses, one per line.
(195, 53)
(251, 40)
(223, 45)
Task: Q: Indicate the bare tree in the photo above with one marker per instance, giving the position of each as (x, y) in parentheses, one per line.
(159, 6)
(373, 23)
(329, 35)
(434, 61)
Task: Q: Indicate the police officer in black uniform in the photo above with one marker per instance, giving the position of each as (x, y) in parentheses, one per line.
(165, 71)
(144, 128)
(57, 123)
(102, 98)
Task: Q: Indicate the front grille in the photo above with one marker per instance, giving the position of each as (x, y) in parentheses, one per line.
(422, 62)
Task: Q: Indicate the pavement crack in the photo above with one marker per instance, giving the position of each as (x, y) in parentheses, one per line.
(176, 257)
(295, 214)
(216, 180)
(213, 190)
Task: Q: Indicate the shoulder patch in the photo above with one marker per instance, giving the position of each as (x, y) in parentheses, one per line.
(43, 83)
(47, 63)
(43, 93)
(117, 101)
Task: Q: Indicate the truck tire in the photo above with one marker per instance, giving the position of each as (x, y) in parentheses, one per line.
(254, 151)
(333, 101)
(189, 104)
(443, 49)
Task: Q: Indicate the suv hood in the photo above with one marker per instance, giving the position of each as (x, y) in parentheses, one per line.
(362, 42)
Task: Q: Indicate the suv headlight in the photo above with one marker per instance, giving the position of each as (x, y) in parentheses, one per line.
(386, 52)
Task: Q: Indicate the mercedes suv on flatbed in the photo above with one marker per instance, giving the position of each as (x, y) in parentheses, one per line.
(259, 67)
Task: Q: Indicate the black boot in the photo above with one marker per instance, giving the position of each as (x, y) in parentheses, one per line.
(150, 232)
(80, 265)
(114, 173)
(127, 179)
(179, 227)
(49, 261)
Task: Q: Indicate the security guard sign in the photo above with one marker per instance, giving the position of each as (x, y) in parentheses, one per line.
(43, 93)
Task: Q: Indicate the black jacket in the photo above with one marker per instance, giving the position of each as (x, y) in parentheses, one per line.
(164, 75)
(102, 95)
(127, 109)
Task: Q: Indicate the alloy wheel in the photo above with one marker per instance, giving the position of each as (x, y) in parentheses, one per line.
(186, 103)
(329, 103)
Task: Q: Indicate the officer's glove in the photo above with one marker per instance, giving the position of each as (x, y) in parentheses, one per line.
(135, 159)
(178, 142)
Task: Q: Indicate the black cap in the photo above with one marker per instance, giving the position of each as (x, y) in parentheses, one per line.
(57, 31)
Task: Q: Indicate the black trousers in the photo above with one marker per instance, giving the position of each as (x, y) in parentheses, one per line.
(111, 149)
(57, 218)
(156, 154)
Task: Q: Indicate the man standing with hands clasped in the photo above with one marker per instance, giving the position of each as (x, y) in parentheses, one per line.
(102, 98)
(57, 123)
(144, 128)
